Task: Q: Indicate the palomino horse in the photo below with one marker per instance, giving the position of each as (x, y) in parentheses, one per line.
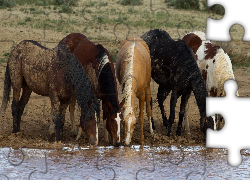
(54, 73)
(133, 70)
(98, 65)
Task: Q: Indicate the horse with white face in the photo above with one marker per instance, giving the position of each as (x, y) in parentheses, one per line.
(133, 71)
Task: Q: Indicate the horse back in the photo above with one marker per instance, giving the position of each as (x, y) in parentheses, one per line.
(32, 63)
(137, 49)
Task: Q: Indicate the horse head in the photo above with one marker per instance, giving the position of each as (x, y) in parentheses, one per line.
(90, 128)
(90, 120)
(130, 121)
(113, 124)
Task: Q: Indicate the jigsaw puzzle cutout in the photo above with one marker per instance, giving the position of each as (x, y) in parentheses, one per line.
(154, 8)
(219, 29)
(229, 137)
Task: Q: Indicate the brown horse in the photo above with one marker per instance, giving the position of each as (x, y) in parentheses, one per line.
(54, 73)
(98, 65)
(133, 70)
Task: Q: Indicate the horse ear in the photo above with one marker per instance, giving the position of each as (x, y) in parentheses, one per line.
(122, 103)
(135, 108)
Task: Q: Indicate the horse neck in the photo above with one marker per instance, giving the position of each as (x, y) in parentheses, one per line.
(127, 81)
(200, 93)
(107, 82)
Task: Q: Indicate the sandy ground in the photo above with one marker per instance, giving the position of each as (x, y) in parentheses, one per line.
(36, 119)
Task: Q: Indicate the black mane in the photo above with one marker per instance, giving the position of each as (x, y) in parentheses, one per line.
(106, 80)
(75, 75)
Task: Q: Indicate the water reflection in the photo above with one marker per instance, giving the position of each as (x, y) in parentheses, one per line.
(169, 162)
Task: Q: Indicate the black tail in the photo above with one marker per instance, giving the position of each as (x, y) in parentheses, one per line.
(6, 91)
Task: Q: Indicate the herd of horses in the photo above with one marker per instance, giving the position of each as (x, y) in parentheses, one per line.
(79, 71)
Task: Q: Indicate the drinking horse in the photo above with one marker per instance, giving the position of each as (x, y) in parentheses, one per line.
(100, 68)
(133, 70)
(54, 73)
(174, 69)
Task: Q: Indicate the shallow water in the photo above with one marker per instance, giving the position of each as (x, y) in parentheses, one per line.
(192, 162)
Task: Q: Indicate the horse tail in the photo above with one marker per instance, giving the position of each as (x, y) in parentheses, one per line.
(6, 91)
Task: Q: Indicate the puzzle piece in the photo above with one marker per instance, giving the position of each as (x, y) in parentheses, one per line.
(107, 23)
(227, 137)
(219, 30)
(175, 162)
(18, 164)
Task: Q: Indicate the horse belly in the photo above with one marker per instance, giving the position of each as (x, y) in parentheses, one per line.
(37, 81)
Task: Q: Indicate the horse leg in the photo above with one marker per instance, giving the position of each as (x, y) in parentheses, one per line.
(184, 102)
(149, 110)
(72, 115)
(15, 108)
(141, 118)
(79, 133)
(56, 116)
(63, 108)
(106, 134)
(161, 96)
(105, 119)
(186, 123)
(22, 103)
(173, 101)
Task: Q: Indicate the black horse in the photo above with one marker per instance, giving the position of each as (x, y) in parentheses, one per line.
(174, 68)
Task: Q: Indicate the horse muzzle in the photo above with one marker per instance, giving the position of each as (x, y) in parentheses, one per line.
(117, 143)
(93, 141)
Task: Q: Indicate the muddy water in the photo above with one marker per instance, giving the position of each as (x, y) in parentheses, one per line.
(172, 162)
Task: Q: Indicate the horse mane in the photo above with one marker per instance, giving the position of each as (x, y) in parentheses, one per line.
(106, 78)
(127, 79)
(36, 43)
(75, 75)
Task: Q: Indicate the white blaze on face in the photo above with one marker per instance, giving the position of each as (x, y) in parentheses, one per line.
(214, 123)
(128, 133)
(151, 127)
(118, 121)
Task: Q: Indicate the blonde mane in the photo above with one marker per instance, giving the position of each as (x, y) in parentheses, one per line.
(127, 80)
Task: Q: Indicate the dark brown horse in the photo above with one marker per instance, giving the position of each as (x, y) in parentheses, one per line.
(54, 73)
(98, 65)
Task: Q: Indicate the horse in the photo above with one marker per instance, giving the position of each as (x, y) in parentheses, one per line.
(174, 69)
(214, 64)
(54, 73)
(100, 68)
(133, 71)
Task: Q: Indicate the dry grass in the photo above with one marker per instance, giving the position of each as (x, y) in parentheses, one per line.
(237, 58)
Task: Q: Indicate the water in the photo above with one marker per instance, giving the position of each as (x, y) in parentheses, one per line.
(192, 162)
